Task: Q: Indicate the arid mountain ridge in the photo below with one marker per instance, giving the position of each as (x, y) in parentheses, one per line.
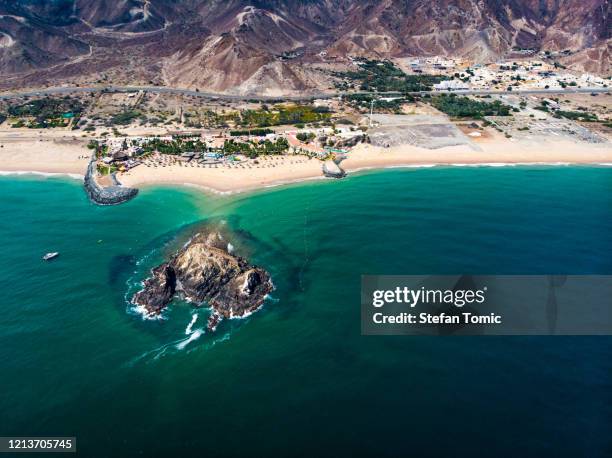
(278, 46)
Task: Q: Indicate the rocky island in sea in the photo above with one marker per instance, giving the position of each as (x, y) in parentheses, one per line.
(207, 274)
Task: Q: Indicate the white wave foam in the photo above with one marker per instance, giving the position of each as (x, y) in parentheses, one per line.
(476, 164)
(195, 335)
(208, 189)
(483, 164)
(267, 297)
(194, 318)
(75, 176)
(145, 314)
(510, 164)
(145, 257)
(413, 166)
(245, 315)
(230, 248)
(276, 184)
(171, 348)
(186, 244)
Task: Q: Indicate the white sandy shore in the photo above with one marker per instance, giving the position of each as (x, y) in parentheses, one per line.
(269, 172)
(364, 157)
(69, 156)
(48, 156)
(500, 152)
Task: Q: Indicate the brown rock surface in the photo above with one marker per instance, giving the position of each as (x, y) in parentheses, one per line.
(269, 47)
(205, 273)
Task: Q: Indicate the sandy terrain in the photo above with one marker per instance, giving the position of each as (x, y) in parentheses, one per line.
(274, 171)
(270, 171)
(489, 152)
(54, 154)
(65, 154)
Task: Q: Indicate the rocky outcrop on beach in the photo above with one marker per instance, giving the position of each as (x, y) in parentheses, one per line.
(205, 273)
(111, 195)
(332, 170)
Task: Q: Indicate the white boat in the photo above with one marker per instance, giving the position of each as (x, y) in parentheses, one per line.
(50, 256)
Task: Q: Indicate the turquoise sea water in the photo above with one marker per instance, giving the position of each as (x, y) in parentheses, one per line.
(297, 378)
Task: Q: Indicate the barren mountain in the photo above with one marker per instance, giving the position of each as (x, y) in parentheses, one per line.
(481, 30)
(277, 46)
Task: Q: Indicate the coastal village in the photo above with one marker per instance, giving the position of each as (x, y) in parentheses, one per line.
(424, 106)
(508, 75)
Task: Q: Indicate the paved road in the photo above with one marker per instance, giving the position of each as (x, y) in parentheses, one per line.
(158, 90)
(210, 95)
(587, 90)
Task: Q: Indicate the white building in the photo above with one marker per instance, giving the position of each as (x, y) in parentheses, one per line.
(451, 85)
(592, 80)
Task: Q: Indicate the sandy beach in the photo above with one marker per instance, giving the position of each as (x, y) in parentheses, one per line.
(280, 170)
(63, 155)
(270, 171)
(68, 155)
(497, 152)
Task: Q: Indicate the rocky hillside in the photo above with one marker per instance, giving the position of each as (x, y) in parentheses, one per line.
(275, 46)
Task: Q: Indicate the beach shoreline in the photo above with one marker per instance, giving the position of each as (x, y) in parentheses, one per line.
(37, 173)
(52, 157)
(369, 158)
(46, 156)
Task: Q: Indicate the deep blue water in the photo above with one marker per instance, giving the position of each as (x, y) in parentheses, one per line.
(297, 378)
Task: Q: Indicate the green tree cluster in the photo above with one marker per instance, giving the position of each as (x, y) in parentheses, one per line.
(254, 149)
(384, 76)
(123, 118)
(464, 107)
(305, 137)
(47, 112)
(175, 147)
(283, 115)
(253, 132)
(576, 115)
